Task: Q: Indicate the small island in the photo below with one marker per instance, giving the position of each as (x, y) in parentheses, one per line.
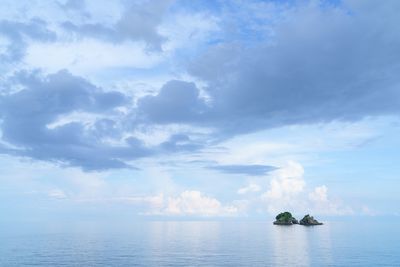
(286, 218)
(309, 221)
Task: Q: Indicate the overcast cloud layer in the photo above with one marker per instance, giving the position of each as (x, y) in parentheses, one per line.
(313, 62)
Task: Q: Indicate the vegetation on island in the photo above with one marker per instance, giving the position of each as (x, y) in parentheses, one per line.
(286, 218)
(309, 220)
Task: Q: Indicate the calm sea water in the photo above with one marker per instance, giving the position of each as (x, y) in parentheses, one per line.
(204, 244)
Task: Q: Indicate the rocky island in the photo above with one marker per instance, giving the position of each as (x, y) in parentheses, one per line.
(286, 218)
(309, 220)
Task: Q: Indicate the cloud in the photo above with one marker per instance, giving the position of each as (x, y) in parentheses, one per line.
(251, 169)
(146, 204)
(88, 56)
(57, 194)
(285, 186)
(73, 5)
(139, 22)
(288, 191)
(194, 203)
(320, 203)
(319, 194)
(250, 188)
(180, 143)
(154, 202)
(27, 113)
(18, 33)
(65, 119)
(177, 102)
(190, 203)
(320, 65)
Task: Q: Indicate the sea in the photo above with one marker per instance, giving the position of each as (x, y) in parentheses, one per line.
(202, 243)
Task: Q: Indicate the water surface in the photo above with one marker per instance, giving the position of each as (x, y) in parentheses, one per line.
(203, 244)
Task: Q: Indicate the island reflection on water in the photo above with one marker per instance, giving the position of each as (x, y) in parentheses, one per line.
(295, 245)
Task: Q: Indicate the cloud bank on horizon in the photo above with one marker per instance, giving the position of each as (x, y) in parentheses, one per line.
(224, 89)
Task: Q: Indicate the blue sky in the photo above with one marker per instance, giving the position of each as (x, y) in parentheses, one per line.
(198, 109)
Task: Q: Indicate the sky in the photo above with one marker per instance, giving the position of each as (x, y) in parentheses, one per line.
(168, 109)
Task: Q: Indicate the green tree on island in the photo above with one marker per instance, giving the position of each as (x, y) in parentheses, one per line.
(285, 218)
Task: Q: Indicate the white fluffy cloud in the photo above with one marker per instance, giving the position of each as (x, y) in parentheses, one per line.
(320, 193)
(287, 181)
(288, 191)
(197, 204)
(285, 185)
(320, 203)
(187, 203)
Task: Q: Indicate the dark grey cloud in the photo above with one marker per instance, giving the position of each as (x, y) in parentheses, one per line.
(27, 114)
(18, 34)
(177, 102)
(251, 170)
(139, 22)
(322, 64)
(181, 143)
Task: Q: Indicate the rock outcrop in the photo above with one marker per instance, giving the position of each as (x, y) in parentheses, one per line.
(309, 220)
(285, 218)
